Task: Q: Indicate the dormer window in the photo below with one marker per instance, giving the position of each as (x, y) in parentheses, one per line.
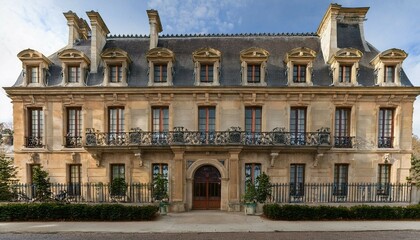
(389, 74)
(74, 74)
(299, 73)
(35, 67)
(115, 73)
(254, 63)
(344, 66)
(117, 62)
(299, 66)
(75, 65)
(388, 66)
(160, 73)
(34, 74)
(161, 62)
(206, 67)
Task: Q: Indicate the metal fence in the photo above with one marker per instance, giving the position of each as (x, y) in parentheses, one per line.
(86, 192)
(345, 193)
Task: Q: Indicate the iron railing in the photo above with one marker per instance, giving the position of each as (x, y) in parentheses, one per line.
(385, 142)
(233, 136)
(33, 142)
(73, 141)
(343, 142)
(349, 193)
(86, 192)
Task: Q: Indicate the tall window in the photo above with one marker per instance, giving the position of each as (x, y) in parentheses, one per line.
(206, 119)
(34, 74)
(385, 128)
(342, 128)
(117, 171)
(74, 74)
(160, 123)
(160, 168)
(74, 127)
(252, 124)
(252, 171)
(384, 178)
(74, 179)
(389, 74)
(115, 73)
(340, 179)
(254, 73)
(297, 126)
(116, 125)
(297, 179)
(344, 74)
(299, 73)
(160, 73)
(206, 72)
(36, 127)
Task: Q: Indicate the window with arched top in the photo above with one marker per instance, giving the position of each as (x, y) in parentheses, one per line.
(75, 67)
(35, 67)
(253, 66)
(206, 67)
(344, 66)
(299, 62)
(161, 61)
(117, 63)
(388, 67)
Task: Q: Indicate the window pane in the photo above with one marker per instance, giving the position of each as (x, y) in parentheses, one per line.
(34, 75)
(206, 72)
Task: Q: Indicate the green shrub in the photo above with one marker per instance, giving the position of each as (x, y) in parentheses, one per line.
(75, 212)
(362, 212)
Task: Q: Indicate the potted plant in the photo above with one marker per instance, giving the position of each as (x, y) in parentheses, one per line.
(160, 193)
(250, 197)
(263, 187)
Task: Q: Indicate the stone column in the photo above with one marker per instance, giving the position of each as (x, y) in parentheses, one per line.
(234, 180)
(178, 182)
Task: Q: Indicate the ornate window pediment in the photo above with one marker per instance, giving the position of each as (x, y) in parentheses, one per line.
(299, 63)
(117, 63)
(161, 62)
(345, 66)
(206, 66)
(75, 65)
(388, 66)
(35, 66)
(253, 66)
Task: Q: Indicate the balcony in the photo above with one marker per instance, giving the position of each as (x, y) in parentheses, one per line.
(343, 142)
(385, 142)
(73, 141)
(33, 142)
(233, 136)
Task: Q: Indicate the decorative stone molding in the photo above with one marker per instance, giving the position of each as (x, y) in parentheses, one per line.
(254, 56)
(74, 58)
(206, 56)
(137, 154)
(273, 156)
(390, 59)
(33, 62)
(98, 158)
(33, 158)
(115, 57)
(347, 57)
(160, 56)
(299, 56)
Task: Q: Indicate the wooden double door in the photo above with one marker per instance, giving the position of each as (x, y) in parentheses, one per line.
(207, 188)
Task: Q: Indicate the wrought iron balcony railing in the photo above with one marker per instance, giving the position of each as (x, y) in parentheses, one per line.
(343, 142)
(233, 136)
(33, 142)
(385, 142)
(73, 141)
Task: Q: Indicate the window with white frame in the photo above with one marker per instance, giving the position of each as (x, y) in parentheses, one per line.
(75, 65)
(35, 68)
(161, 62)
(254, 64)
(206, 66)
(344, 66)
(299, 63)
(388, 67)
(117, 62)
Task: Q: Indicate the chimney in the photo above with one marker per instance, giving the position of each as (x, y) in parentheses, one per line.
(73, 21)
(98, 39)
(155, 27)
(327, 30)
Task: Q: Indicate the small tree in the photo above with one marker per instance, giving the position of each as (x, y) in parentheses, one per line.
(7, 174)
(263, 187)
(42, 185)
(415, 161)
(250, 195)
(160, 188)
(118, 187)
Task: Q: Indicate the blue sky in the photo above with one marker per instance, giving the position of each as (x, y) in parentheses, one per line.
(40, 25)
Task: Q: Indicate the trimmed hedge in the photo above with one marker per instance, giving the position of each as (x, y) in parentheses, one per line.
(76, 212)
(362, 212)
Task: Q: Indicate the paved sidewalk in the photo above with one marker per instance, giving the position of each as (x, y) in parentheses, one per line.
(208, 221)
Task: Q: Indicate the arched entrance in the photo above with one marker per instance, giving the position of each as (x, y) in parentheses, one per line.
(207, 188)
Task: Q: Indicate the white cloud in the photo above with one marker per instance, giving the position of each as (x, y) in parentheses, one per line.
(23, 25)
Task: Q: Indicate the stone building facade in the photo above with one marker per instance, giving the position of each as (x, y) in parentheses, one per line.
(212, 111)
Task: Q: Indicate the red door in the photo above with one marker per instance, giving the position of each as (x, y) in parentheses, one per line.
(207, 186)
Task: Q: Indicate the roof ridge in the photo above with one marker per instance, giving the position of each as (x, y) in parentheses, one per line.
(214, 35)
